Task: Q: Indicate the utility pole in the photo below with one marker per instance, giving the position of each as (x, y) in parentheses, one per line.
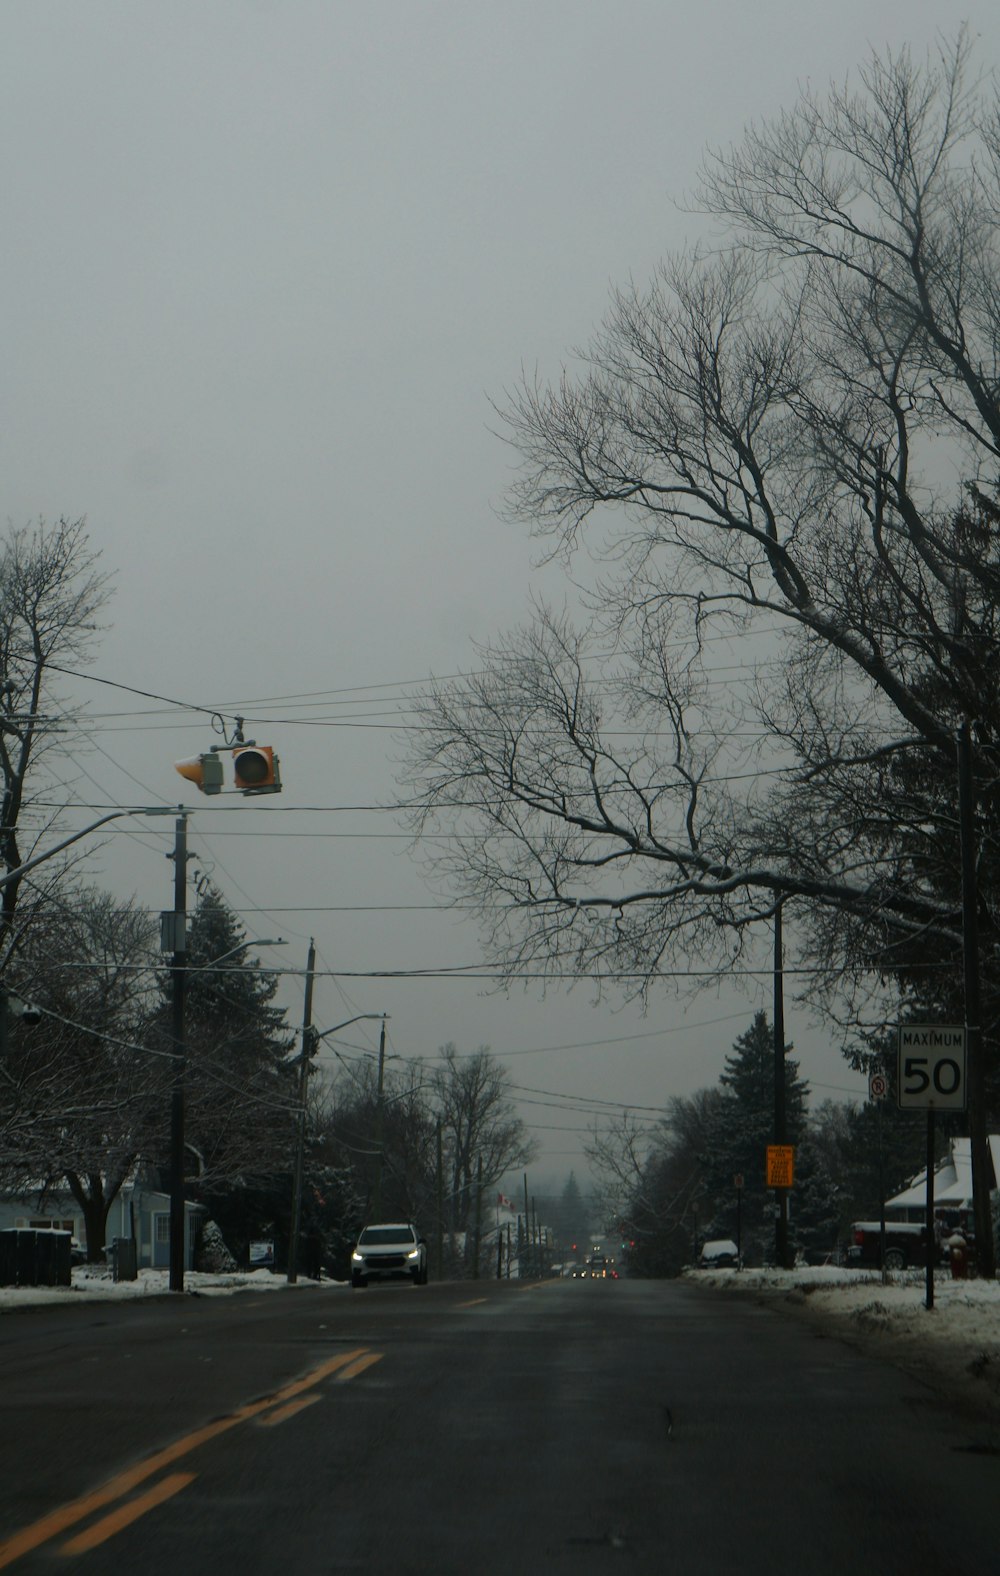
(178, 979)
(300, 1142)
(780, 1111)
(440, 1202)
(524, 1270)
(979, 1147)
(379, 1127)
(479, 1214)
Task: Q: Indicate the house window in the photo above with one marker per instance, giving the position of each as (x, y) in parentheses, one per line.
(50, 1225)
(162, 1228)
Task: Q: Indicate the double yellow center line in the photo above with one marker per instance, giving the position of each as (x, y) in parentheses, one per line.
(273, 1409)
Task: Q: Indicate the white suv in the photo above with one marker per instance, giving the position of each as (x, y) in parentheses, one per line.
(389, 1252)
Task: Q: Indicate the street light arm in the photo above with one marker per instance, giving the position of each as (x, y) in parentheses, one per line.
(321, 1034)
(214, 962)
(67, 842)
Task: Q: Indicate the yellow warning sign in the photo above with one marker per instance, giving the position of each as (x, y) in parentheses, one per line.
(780, 1165)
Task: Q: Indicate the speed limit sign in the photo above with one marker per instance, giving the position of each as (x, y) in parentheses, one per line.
(931, 1067)
(878, 1086)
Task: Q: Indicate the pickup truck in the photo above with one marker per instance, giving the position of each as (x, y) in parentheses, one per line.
(905, 1246)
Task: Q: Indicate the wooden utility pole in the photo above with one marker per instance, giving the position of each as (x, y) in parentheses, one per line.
(979, 1145)
(178, 980)
(479, 1214)
(780, 1104)
(440, 1202)
(300, 1137)
(379, 1127)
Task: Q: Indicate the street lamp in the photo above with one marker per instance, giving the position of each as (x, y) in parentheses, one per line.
(268, 941)
(309, 1038)
(114, 815)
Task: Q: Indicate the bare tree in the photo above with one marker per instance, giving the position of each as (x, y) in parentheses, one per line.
(82, 1093)
(772, 436)
(51, 595)
(483, 1135)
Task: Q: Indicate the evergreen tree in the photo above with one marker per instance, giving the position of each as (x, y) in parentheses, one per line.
(742, 1129)
(572, 1218)
(240, 1086)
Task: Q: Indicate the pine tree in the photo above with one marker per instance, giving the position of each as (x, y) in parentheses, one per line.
(742, 1130)
(239, 1081)
(571, 1218)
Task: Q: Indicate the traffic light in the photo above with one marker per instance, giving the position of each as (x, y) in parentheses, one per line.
(255, 768)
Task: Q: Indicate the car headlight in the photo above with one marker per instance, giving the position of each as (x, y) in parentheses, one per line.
(414, 1253)
(356, 1257)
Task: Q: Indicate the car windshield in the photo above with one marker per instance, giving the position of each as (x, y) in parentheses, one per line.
(380, 1234)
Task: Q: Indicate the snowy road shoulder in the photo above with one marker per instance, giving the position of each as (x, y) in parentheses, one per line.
(954, 1346)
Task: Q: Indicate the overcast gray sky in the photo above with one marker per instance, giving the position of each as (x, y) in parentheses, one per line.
(266, 263)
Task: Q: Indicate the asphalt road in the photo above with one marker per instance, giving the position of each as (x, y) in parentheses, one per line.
(490, 1429)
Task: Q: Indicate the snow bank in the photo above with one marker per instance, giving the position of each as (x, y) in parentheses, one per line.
(96, 1285)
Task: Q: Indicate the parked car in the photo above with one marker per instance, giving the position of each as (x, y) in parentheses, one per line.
(393, 1250)
(722, 1253)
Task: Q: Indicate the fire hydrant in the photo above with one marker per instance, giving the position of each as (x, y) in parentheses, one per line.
(958, 1256)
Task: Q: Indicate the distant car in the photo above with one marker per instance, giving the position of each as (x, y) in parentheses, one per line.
(598, 1268)
(719, 1254)
(390, 1251)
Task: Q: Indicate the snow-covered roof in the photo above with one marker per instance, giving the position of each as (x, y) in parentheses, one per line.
(952, 1179)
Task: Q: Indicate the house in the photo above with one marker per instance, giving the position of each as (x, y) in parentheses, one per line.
(952, 1185)
(140, 1210)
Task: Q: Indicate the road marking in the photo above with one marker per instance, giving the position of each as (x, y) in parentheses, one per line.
(65, 1516)
(359, 1366)
(473, 1304)
(284, 1412)
(119, 1519)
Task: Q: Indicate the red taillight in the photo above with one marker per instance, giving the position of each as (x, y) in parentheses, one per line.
(859, 1239)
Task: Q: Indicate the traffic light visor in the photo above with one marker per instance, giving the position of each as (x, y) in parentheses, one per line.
(205, 771)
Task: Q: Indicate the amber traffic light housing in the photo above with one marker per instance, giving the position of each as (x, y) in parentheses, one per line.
(255, 770)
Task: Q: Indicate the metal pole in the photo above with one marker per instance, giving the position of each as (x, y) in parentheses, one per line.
(300, 1139)
(178, 976)
(929, 1297)
(881, 1195)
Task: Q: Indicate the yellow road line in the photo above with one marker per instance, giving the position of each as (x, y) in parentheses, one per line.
(124, 1516)
(473, 1304)
(271, 1419)
(65, 1516)
(359, 1366)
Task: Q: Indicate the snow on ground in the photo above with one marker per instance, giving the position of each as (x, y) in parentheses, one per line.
(95, 1285)
(953, 1346)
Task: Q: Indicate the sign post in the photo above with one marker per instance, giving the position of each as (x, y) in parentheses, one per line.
(878, 1088)
(931, 1078)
